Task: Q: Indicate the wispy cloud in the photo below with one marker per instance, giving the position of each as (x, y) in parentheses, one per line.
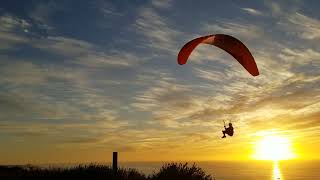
(162, 4)
(304, 26)
(209, 74)
(108, 9)
(13, 31)
(164, 98)
(157, 33)
(299, 56)
(244, 30)
(42, 12)
(65, 93)
(252, 11)
(86, 54)
(64, 46)
(10, 23)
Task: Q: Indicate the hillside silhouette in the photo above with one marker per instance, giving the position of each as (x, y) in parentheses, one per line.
(176, 171)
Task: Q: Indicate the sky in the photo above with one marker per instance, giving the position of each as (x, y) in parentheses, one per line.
(81, 79)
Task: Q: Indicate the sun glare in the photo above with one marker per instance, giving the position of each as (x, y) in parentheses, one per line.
(273, 148)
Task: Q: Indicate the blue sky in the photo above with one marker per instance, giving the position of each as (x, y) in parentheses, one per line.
(80, 79)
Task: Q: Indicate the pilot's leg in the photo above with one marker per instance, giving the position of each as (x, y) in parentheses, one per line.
(224, 134)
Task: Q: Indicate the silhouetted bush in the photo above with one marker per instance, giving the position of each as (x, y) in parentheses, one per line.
(180, 171)
(168, 171)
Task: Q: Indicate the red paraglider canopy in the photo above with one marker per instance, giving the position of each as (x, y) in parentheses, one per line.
(228, 43)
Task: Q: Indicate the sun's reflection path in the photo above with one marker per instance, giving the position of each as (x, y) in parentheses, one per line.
(276, 174)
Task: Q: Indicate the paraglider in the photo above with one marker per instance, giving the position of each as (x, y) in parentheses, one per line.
(228, 43)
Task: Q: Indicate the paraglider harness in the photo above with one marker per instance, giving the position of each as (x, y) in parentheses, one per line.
(228, 130)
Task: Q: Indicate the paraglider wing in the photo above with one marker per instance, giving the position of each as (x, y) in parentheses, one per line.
(228, 43)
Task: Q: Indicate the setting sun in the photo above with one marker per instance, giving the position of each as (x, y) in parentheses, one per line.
(273, 148)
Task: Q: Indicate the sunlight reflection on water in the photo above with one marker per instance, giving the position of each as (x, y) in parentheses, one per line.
(276, 174)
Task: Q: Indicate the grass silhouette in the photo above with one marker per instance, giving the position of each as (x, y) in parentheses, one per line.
(169, 171)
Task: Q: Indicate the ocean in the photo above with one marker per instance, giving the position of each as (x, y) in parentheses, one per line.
(246, 170)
